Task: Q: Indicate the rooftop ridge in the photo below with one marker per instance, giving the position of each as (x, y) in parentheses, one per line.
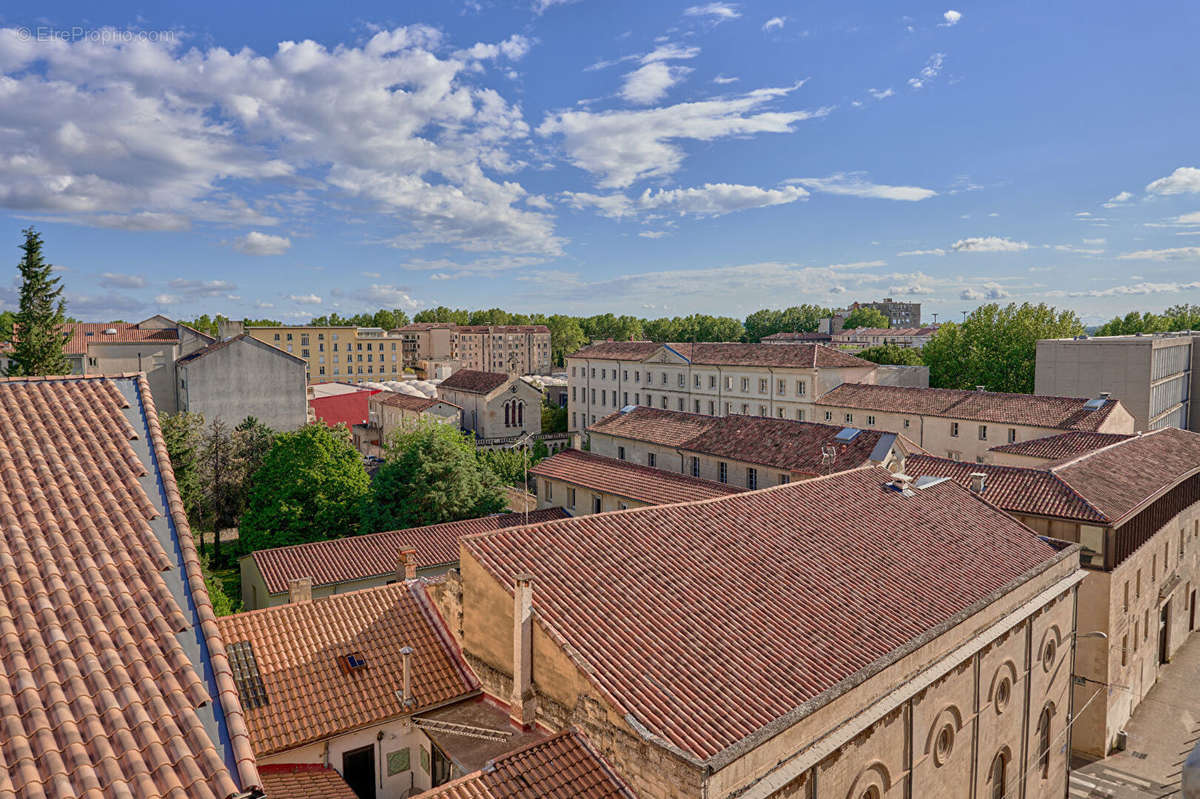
(1054, 467)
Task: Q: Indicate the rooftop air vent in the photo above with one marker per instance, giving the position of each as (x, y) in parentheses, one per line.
(847, 434)
(111, 331)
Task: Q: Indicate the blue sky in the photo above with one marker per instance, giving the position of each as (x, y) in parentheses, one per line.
(288, 160)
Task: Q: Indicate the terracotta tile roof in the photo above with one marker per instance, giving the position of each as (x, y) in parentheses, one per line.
(1066, 413)
(1018, 489)
(85, 333)
(1110, 483)
(563, 766)
(395, 399)
(361, 556)
(304, 781)
(109, 687)
(1063, 445)
(641, 599)
(474, 382)
(223, 343)
(803, 356)
(780, 443)
(629, 480)
(295, 650)
(798, 337)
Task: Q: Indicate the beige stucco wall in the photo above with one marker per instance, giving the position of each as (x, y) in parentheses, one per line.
(485, 414)
(679, 461)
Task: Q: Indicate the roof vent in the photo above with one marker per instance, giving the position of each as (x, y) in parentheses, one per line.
(1104, 395)
(847, 434)
(981, 388)
(978, 482)
(111, 331)
(902, 483)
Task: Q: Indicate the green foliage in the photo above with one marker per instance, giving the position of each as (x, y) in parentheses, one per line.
(222, 603)
(432, 475)
(796, 319)
(1177, 317)
(697, 327)
(607, 326)
(8, 321)
(182, 433)
(443, 315)
(554, 418)
(995, 347)
(865, 317)
(309, 487)
(566, 336)
(37, 333)
(381, 318)
(508, 464)
(206, 324)
(893, 354)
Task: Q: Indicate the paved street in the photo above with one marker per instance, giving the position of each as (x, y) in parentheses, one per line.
(1162, 732)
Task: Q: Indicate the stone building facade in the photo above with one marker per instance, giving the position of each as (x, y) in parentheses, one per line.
(240, 377)
(493, 404)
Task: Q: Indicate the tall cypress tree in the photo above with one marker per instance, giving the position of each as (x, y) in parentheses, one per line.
(38, 337)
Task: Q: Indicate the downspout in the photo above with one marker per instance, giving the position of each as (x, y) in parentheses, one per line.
(771, 392)
(1071, 693)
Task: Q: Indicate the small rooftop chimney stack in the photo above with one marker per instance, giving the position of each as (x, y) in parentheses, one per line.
(1105, 395)
(978, 482)
(406, 564)
(523, 706)
(981, 388)
(407, 653)
(300, 589)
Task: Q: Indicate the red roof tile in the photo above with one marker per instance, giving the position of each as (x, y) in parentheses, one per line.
(474, 382)
(361, 556)
(395, 399)
(617, 350)
(304, 781)
(1066, 413)
(296, 647)
(803, 356)
(780, 443)
(628, 480)
(1063, 445)
(98, 693)
(643, 599)
(85, 333)
(563, 766)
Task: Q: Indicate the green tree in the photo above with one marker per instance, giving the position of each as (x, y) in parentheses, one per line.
(796, 319)
(8, 321)
(554, 418)
(893, 354)
(309, 487)
(608, 326)
(443, 315)
(37, 334)
(566, 336)
(865, 317)
(508, 464)
(432, 475)
(220, 477)
(995, 347)
(182, 433)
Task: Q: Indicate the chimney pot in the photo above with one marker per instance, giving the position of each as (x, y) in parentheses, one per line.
(300, 589)
(1105, 395)
(406, 564)
(978, 482)
(523, 706)
(407, 653)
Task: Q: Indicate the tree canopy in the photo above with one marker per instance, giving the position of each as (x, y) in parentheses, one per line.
(995, 347)
(36, 331)
(796, 319)
(309, 487)
(432, 475)
(865, 317)
(1177, 317)
(893, 354)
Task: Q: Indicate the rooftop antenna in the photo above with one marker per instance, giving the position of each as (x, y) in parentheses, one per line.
(935, 319)
(964, 313)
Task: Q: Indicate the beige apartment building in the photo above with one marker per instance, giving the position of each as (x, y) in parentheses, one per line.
(521, 349)
(1152, 375)
(342, 354)
(848, 636)
(711, 379)
(745, 451)
(965, 425)
(1134, 507)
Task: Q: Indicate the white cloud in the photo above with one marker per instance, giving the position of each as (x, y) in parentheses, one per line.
(723, 80)
(1188, 219)
(774, 23)
(1137, 289)
(718, 12)
(623, 146)
(304, 299)
(988, 244)
(613, 206)
(652, 234)
(117, 280)
(1080, 250)
(255, 243)
(1118, 200)
(1184, 180)
(540, 6)
(649, 83)
(714, 199)
(854, 185)
(1094, 242)
(932, 68)
(989, 291)
(952, 17)
(389, 296)
(880, 94)
(195, 289)
(150, 135)
(934, 251)
(167, 299)
(1169, 254)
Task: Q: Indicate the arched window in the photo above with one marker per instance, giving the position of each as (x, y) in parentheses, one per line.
(999, 775)
(520, 414)
(1044, 740)
(507, 411)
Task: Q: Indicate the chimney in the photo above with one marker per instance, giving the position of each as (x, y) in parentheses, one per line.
(407, 698)
(300, 589)
(980, 388)
(523, 706)
(978, 481)
(406, 564)
(1105, 395)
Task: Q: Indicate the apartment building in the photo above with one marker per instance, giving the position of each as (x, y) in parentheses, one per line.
(343, 354)
(520, 349)
(829, 638)
(899, 314)
(240, 377)
(712, 379)
(861, 338)
(745, 451)
(1134, 507)
(1152, 375)
(965, 425)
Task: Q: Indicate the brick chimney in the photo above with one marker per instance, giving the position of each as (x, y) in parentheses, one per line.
(406, 564)
(978, 482)
(300, 589)
(523, 705)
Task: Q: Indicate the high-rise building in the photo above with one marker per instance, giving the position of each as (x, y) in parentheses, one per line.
(899, 314)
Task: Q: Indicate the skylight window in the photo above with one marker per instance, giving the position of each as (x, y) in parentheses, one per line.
(847, 434)
(245, 675)
(352, 662)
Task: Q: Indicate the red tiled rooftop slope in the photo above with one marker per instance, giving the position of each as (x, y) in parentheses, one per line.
(803, 356)
(680, 615)
(126, 332)
(473, 381)
(781, 443)
(1067, 413)
(563, 766)
(304, 781)
(361, 556)
(98, 697)
(1063, 445)
(394, 399)
(309, 697)
(628, 480)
